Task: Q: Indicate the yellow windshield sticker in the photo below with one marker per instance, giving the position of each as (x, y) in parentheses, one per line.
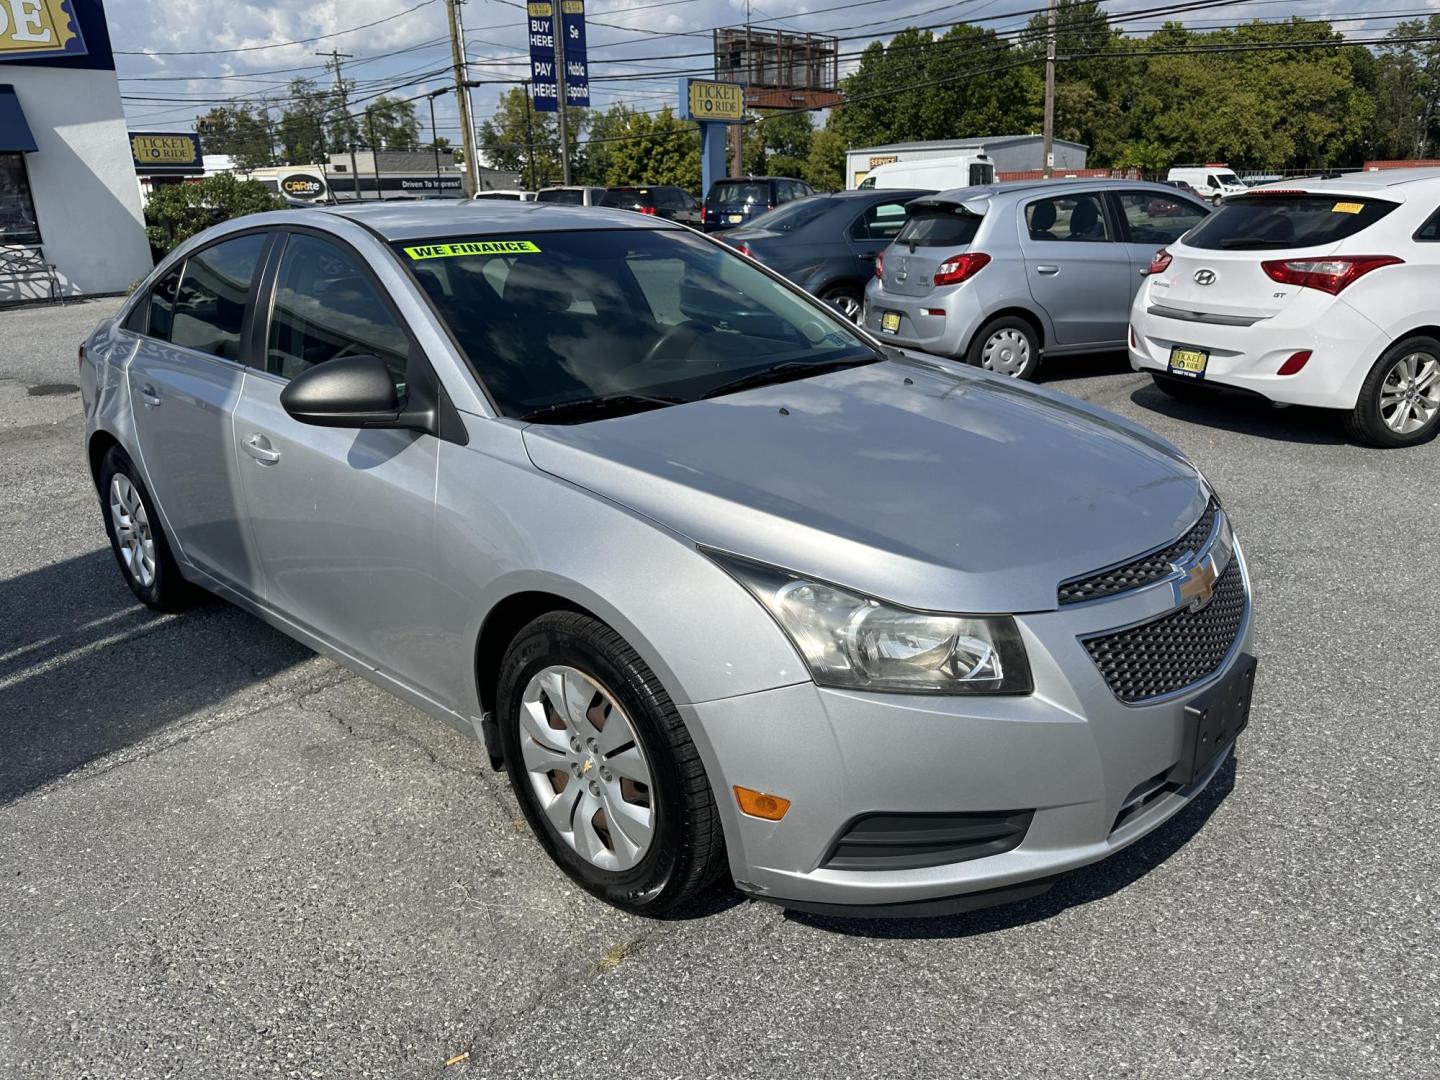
(473, 247)
(1347, 208)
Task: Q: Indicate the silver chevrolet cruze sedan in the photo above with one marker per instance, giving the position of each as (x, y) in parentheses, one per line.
(723, 580)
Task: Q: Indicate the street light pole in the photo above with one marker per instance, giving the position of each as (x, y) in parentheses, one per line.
(1048, 140)
(557, 25)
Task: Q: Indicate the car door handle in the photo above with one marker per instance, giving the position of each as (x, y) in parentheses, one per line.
(258, 447)
(149, 395)
(1047, 270)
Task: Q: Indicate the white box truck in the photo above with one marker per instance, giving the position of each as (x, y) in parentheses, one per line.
(951, 165)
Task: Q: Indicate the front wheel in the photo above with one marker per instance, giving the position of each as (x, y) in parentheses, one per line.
(605, 772)
(1399, 401)
(137, 538)
(1007, 346)
(846, 300)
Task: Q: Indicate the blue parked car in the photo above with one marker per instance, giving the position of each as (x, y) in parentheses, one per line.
(827, 244)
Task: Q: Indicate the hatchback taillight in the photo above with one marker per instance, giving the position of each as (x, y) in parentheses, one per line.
(704, 215)
(647, 210)
(880, 265)
(743, 249)
(960, 268)
(1159, 262)
(1331, 275)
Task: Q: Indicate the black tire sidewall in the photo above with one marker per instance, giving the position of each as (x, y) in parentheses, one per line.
(585, 644)
(166, 590)
(976, 353)
(853, 292)
(1365, 423)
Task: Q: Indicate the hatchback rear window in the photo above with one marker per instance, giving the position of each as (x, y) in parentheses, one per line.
(793, 215)
(568, 197)
(627, 197)
(739, 193)
(1257, 222)
(938, 225)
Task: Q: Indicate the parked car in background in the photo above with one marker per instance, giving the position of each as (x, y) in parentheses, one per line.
(937, 174)
(731, 589)
(732, 202)
(505, 195)
(1318, 293)
(656, 200)
(999, 275)
(1183, 186)
(827, 244)
(572, 195)
(1212, 182)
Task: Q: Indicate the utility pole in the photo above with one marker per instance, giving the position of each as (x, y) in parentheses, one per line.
(462, 97)
(557, 24)
(434, 138)
(737, 132)
(374, 150)
(529, 140)
(335, 58)
(1048, 140)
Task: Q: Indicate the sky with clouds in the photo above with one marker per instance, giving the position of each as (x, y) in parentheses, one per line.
(629, 40)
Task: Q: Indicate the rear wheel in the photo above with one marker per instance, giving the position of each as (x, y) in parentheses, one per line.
(1182, 389)
(137, 538)
(1007, 346)
(603, 767)
(1399, 402)
(845, 299)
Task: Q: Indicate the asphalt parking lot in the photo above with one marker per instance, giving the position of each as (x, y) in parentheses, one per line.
(222, 856)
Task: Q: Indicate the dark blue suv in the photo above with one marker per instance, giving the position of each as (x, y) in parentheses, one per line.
(740, 199)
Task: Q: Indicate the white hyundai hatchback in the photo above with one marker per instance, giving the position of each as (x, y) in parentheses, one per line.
(1314, 292)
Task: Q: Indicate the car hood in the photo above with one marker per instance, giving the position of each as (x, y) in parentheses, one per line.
(926, 485)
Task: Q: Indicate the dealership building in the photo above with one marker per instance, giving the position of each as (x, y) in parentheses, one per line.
(70, 212)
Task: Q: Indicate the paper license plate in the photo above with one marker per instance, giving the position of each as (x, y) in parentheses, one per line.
(1188, 362)
(890, 322)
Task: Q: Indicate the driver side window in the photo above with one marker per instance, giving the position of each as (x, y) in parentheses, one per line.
(326, 307)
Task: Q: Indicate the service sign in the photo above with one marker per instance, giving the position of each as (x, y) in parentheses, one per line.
(712, 102)
(577, 64)
(165, 152)
(32, 29)
(544, 85)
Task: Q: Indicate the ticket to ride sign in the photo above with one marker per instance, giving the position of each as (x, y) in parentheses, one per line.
(32, 29)
(712, 102)
(162, 151)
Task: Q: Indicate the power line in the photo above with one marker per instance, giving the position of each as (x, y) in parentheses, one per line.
(275, 44)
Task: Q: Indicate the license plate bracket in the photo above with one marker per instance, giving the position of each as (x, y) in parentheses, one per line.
(1214, 721)
(1189, 363)
(890, 322)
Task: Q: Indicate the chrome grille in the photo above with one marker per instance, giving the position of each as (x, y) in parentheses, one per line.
(1142, 571)
(1175, 650)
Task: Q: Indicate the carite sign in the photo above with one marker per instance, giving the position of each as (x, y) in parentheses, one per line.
(302, 186)
(32, 29)
(165, 151)
(715, 102)
(544, 86)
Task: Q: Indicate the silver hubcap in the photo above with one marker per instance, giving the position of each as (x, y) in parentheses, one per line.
(1410, 394)
(847, 306)
(587, 768)
(1006, 351)
(132, 530)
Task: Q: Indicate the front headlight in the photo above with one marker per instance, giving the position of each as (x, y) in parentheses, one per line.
(855, 642)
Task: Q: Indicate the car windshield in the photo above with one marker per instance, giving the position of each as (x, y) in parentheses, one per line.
(1266, 220)
(937, 224)
(793, 215)
(633, 318)
(1228, 178)
(727, 191)
(627, 197)
(567, 196)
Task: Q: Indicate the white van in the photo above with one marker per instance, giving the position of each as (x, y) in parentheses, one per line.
(937, 174)
(1211, 182)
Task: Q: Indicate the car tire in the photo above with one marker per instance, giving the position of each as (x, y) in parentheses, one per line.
(845, 299)
(1007, 346)
(665, 844)
(1182, 389)
(1406, 380)
(137, 538)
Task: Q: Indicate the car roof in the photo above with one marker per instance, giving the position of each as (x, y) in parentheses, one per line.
(1377, 181)
(885, 193)
(417, 221)
(1021, 188)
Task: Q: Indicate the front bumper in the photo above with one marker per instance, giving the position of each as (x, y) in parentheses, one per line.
(945, 334)
(1344, 344)
(1072, 752)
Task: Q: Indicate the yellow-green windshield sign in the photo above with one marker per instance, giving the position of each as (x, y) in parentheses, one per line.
(473, 247)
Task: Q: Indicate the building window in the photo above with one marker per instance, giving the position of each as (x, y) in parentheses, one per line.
(17, 209)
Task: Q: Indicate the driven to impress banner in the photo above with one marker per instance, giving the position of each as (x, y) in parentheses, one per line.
(577, 66)
(544, 86)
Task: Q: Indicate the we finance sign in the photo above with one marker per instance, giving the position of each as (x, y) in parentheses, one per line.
(36, 29)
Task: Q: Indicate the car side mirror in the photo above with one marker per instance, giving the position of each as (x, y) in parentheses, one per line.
(348, 392)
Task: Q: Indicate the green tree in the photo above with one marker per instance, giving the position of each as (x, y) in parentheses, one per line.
(825, 164)
(523, 140)
(390, 124)
(1093, 94)
(239, 131)
(305, 122)
(598, 152)
(1405, 87)
(778, 143)
(659, 149)
(176, 212)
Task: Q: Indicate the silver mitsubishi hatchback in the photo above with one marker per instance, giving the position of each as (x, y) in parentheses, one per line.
(725, 582)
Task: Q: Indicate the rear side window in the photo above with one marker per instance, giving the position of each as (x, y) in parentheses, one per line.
(938, 225)
(625, 198)
(882, 222)
(1431, 229)
(326, 307)
(162, 303)
(739, 192)
(1256, 222)
(791, 216)
(210, 307)
(1067, 217)
(1158, 219)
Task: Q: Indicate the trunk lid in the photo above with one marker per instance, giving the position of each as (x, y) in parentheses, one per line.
(935, 230)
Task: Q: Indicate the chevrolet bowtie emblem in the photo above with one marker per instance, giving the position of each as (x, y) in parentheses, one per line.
(1197, 588)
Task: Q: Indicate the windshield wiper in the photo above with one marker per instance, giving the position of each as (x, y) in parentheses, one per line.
(597, 407)
(791, 369)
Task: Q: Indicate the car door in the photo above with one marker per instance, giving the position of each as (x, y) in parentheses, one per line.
(185, 379)
(1077, 270)
(1149, 221)
(343, 518)
(871, 233)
